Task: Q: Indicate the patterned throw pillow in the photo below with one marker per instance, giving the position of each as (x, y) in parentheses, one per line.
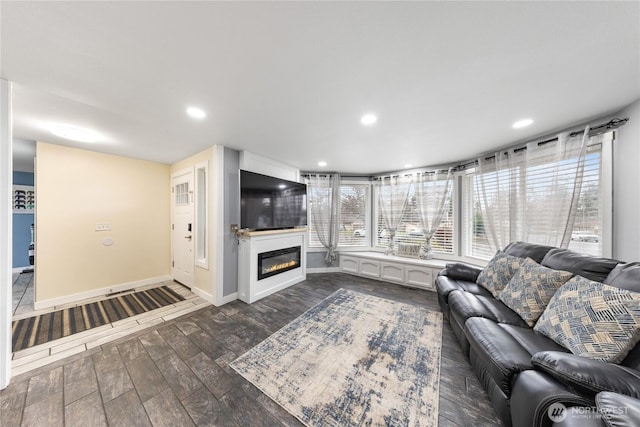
(593, 320)
(498, 272)
(531, 288)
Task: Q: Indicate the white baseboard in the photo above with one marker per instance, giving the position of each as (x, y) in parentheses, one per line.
(68, 299)
(19, 269)
(228, 298)
(224, 300)
(323, 270)
(204, 295)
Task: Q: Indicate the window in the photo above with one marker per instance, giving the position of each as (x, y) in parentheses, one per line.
(410, 229)
(201, 222)
(354, 216)
(533, 188)
(182, 194)
(587, 229)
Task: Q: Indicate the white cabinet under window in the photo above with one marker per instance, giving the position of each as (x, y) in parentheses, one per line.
(369, 268)
(405, 271)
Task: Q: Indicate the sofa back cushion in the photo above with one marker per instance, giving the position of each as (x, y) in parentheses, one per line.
(625, 276)
(590, 267)
(527, 250)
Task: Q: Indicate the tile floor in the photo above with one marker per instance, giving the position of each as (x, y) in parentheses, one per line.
(176, 373)
(43, 354)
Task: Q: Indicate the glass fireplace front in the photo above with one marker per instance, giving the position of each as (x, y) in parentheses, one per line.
(278, 261)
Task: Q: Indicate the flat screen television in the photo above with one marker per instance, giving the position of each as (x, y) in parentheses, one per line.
(268, 203)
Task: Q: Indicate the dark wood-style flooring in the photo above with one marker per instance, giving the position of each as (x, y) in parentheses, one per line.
(177, 373)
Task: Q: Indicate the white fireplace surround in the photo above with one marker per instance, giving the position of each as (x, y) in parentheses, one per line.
(252, 243)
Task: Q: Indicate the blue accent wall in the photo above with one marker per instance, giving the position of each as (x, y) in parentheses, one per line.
(22, 226)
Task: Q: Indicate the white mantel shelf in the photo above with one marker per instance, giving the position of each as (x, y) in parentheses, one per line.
(250, 233)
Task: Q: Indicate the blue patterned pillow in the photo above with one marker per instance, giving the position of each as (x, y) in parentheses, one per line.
(531, 288)
(498, 272)
(593, 320)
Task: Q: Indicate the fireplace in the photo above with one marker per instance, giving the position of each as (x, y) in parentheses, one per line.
(278, 261)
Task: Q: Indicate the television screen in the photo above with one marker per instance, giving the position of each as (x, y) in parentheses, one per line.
(268, 203)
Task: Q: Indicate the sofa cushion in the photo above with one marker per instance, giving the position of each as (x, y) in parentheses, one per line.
(498, 272)
(625, 276)
(591, 267)
(527, 250)
(499, 352)
(593, 320)
(445, 285)
(531, 288)
(531, 340)
(618, 410)
(464, 305)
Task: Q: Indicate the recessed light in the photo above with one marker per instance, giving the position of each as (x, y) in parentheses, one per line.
(322, 164)
(196, 113)
(74, 133)
(522, 123)
(368, 119)
(408, 165)
(282, 186)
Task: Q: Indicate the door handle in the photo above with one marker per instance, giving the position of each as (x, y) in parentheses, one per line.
(187, 237)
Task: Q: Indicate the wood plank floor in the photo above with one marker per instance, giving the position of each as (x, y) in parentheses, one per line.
(177, 374)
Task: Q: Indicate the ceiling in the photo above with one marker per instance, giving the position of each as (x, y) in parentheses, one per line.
(290, 80)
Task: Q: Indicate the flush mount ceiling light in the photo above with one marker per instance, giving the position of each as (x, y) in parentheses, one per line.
(196, 113)
(368, 119)
(74, 133)
(522, 123)
(322, 164)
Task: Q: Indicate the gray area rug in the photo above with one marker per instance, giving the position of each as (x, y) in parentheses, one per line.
(352, 360)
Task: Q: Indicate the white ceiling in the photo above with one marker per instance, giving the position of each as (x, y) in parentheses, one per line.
(290, 80)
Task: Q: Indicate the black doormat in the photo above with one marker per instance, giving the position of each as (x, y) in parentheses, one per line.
(47, 327)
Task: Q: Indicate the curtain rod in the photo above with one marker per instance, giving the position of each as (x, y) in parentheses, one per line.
(437, 171)
(595, 130)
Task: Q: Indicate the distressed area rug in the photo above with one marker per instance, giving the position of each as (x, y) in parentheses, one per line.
(51, 326)
(352, 360)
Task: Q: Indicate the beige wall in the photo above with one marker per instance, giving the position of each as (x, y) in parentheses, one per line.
(77, 189)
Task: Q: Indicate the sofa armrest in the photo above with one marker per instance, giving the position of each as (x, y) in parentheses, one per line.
(618, 410)
(533, 393)
(460, 271)
(588, 376)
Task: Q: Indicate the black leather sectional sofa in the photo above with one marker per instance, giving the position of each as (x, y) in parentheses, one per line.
(530, 378)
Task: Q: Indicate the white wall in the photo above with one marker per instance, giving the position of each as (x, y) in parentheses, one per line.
(626, 186)
(5, 232)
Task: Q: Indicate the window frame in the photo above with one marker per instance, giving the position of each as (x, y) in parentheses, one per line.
(366, 246)
(606, 195)
(375, 220)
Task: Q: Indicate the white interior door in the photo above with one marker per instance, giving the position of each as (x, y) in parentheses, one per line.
(182, 229)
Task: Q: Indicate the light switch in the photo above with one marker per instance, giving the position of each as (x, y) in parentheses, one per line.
(103, 226)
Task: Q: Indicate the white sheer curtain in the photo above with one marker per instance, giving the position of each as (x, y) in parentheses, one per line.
(324, 202)
(532, 195)
(498, 188)
(393, 192)
(554, 180)
(432, 191)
